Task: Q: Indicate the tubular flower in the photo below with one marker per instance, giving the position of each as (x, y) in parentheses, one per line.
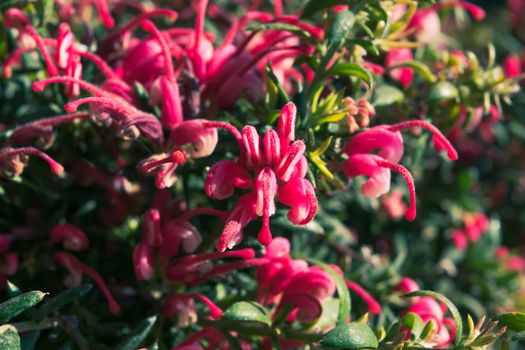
(76, 269)
(14, 160)
(387, 142)
(71, 237)
(279, 166)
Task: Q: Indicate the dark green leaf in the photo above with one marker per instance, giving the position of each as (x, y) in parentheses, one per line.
(282, 27)
(344, 21)
(513, 320)
(137, 336)
(342, 291)
(352, 69)
(386, 95)
(63, 299)
(28, 341)
(352, 335)
(453, 309)
(247, 312)
(15, 306)
(9, 338)
(414, 323)
(419, 67)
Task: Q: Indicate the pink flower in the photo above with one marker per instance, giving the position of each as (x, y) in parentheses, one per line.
(460, 239)
(403, 75)
(195, 133)
(76, 269)
(172, 305)
(387, 143)
(426, 25)
(430, 311)
(71, 237)
(143, 262)
(512, 65)
(407, 285)
(279, 166)
(14, 160)
(163, 166)
(394, 205)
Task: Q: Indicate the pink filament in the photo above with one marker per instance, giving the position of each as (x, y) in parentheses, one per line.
(169, 71)
(119, 107)
(410, 214)
(51, 68)
(60, 119)
(104, 67)
(56, 167)
(175, 157)
(215, 311)
(451, 151)
(13, 59)
(41, 85)
(278, 8)
(221, 214)
(103, 11)
(137, 20)
(199, 23)
(223, 125)
(225, 268)
(247, 253)
(113, 305)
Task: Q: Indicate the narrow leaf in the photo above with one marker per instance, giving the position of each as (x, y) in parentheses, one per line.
(63, 299)
(9, 338)
(247, 312)
(513, 320)
(344, 295)
(352, 69)
(453, 309)
(137, 336)
(15, 306)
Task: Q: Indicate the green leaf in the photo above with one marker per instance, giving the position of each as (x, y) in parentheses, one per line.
(286, 27)
(247, 311)
(63, 299)
(15, 306)
(419, 67)
(342, 291)
(386, 95)
(343, 23)
(453, 309)
(513, 320)
(352, 335)
(314, 6)
(45, 10)
(29, 340)
(414, 323)
(352, 69)
(138, 334)
(393, 331)
(442, 91)
(9, 338)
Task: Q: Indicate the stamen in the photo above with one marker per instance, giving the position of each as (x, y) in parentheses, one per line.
(278, 8)
(51, 68)
(41, 85)
(223, 125)
(199, 23)
(59, 119)
(119, 107)
(172, 15)
(101, 64)
(373, 305)
(13, 59)
(56, 167)
(225, 268)
(221, 214)
(168, 68)
(215, 311)
(246, 253)
(65, 258)
(410, 214)
(104, 13)
(177, 157)
(451, 151)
